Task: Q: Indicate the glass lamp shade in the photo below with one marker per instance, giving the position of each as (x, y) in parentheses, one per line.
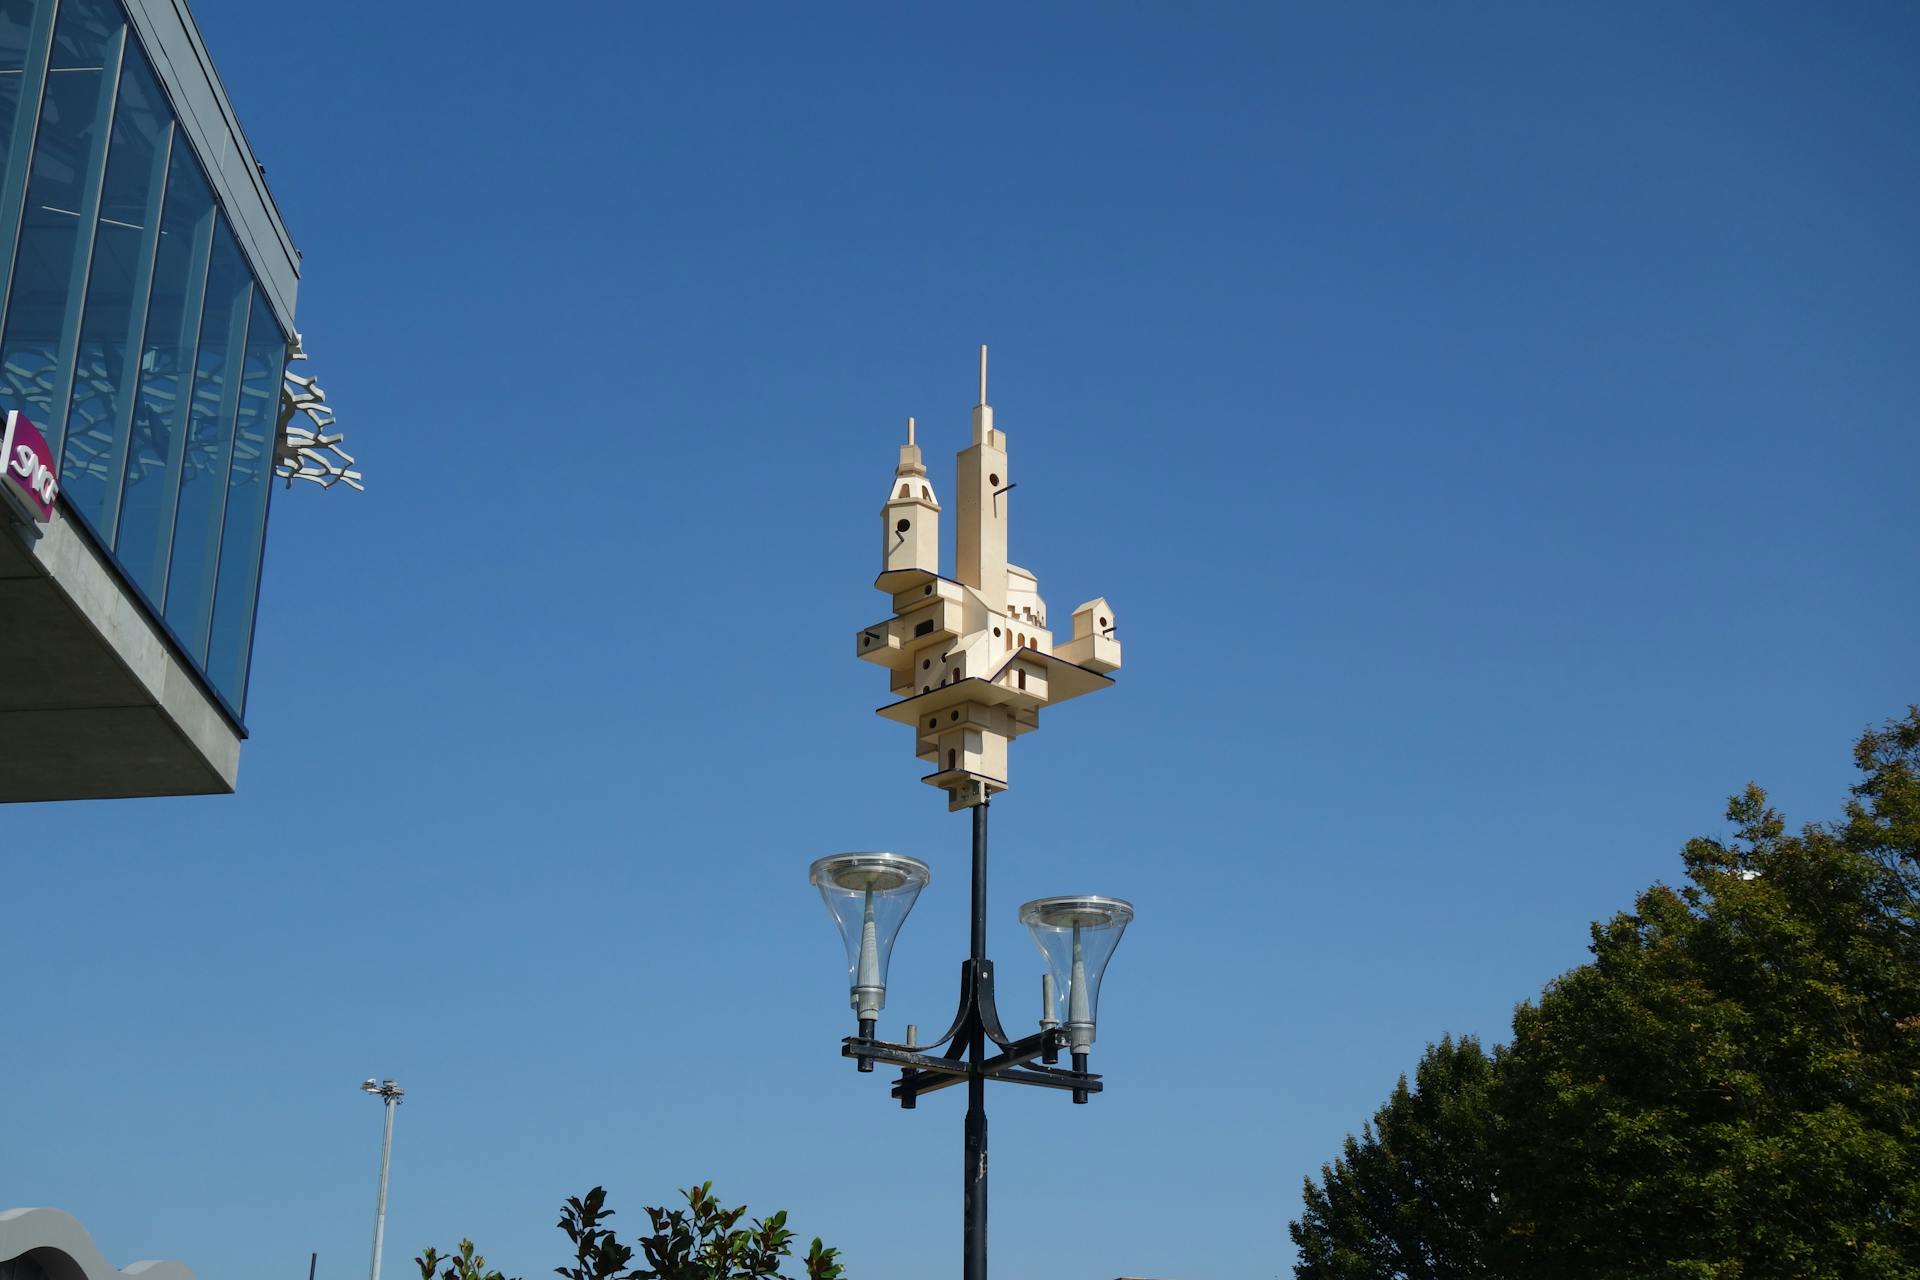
(869, 895)
(1077, 936)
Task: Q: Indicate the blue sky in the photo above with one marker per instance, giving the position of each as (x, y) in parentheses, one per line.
(1494, 428)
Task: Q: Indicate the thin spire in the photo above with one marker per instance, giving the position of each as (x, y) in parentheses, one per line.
(983, 373)
(910, 464)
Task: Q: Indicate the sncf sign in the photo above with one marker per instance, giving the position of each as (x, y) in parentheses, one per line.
(27, 468)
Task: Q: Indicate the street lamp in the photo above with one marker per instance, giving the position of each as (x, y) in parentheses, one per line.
(391, 1094)
(1077, 936)
(869, 895)
(972, 663)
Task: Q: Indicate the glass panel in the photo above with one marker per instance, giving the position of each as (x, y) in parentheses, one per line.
(246, 518)
(123, 250)
(52, 249)
(203, 475)
(154, 449)
(16, 17)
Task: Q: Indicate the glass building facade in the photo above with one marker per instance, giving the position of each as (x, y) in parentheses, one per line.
(134, 329)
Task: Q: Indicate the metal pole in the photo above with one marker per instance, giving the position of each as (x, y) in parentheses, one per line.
(980, 881)
(380, 1206)
(974, 1251)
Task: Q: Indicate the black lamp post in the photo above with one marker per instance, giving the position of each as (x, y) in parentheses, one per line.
(870, 895)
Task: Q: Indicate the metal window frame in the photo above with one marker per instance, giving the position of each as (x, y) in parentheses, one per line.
(266, 521)
(186, 377)
(128, 390)
(230, 416)
(26, 133)
(87, 232)
(171, 40)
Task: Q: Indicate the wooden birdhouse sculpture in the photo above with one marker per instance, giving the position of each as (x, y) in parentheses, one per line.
(970, 658)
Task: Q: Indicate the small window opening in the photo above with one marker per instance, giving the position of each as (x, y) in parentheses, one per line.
(1021, 676)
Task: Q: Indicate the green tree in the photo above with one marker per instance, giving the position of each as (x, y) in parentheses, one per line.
(1730, 1088)
(462, 1264)
(1410, 1197)
(704, 1241)
(1883, 817)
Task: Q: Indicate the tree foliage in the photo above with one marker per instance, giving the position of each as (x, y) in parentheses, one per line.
(462, 1264)
(1409, 1196)
(704, 1241)
(1730, 1088)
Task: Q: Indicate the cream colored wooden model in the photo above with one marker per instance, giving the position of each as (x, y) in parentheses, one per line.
(971, 658)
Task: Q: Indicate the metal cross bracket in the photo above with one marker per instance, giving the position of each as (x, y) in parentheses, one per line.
(976, 1024)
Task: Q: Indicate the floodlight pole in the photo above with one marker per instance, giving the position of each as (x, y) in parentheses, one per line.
(380, 1206)
(390, 1093)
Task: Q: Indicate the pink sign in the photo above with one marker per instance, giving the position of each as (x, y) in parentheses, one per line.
(30, 471)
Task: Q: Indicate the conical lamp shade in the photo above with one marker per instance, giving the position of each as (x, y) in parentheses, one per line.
(869, 895)
(1077, 935)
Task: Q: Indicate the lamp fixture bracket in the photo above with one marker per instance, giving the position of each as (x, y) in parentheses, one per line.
(924, 1072)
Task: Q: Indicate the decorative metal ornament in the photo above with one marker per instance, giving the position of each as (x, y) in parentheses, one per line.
(311, 451)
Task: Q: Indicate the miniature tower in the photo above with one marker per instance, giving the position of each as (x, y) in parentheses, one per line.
(970, 658)
(979, 487)
(910, 529)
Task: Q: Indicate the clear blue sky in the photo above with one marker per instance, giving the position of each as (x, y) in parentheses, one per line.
(1495, 429)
